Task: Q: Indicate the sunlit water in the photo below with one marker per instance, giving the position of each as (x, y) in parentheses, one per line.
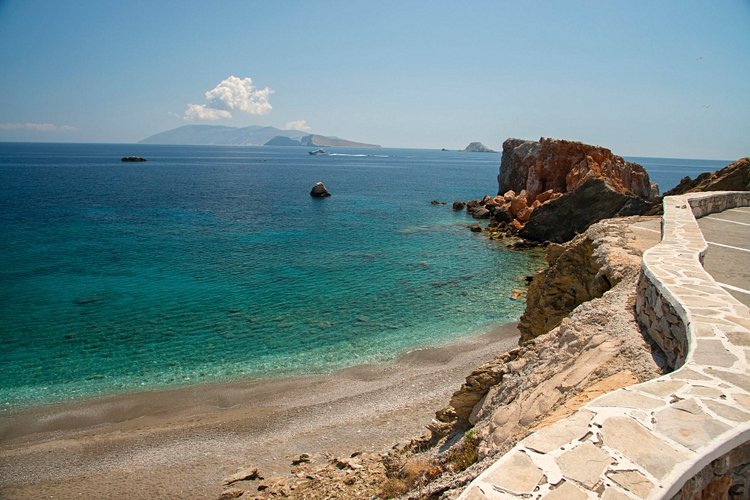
(214, 263)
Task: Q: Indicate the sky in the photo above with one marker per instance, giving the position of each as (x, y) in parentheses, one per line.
(666, 78)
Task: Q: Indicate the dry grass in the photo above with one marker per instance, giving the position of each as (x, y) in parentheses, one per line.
(465, 453)
(415, 473)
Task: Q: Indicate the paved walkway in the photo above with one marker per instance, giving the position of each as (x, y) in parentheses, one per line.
(728, 257)
(647, 440)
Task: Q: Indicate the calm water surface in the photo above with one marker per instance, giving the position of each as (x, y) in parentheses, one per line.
(213, 263)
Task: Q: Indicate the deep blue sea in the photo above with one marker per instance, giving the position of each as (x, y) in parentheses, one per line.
(211, 264)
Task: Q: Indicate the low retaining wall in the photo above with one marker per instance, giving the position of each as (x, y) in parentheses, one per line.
(649, 440)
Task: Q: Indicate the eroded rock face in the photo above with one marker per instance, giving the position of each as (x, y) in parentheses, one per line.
(555, 189)
(733, 177)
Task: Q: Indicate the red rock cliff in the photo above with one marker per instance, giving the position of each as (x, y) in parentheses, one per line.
(564, 166)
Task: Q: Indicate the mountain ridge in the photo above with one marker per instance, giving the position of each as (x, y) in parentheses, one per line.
(253, 135)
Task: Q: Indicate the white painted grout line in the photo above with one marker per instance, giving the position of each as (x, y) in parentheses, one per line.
(728, 246)
(726, 220)
(733, 288)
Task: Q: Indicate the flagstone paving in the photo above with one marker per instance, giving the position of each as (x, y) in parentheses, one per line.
(647, 440)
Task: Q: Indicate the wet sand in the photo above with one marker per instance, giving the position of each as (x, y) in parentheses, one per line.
(181, 443)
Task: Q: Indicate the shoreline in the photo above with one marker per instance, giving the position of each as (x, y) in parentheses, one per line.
(197, 435)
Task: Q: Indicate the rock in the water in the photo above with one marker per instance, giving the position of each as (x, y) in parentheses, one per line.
(564, 186)
(478, 147)
(458, 205)
(475, 228)
(319, 190)
(436, 202)
(133, 158)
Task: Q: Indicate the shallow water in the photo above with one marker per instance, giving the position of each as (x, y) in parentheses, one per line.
(214, 263)
(210, 264)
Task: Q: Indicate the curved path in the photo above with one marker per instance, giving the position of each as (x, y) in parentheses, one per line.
(649, 440)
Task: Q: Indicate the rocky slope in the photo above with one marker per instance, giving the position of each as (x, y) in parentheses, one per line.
(551, 189)
(733, 177)
(595, 349)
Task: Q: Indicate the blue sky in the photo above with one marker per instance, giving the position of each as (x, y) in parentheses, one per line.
(650, 78)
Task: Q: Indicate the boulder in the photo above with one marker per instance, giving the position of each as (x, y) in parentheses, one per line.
(480, 213)
(319, 190)
(458, 205)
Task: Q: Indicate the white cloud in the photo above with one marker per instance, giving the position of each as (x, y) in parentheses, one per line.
(231, 94)
(300, 125)
(203, 112)
(38, 127)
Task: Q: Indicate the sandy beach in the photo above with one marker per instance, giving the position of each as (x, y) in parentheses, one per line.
(181, 443)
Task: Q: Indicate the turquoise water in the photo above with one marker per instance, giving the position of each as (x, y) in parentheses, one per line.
(213, 263)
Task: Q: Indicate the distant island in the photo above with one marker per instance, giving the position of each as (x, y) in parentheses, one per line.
(478, 147)
(253, 135)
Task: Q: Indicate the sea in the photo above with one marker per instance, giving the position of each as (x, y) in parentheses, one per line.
(213, 263)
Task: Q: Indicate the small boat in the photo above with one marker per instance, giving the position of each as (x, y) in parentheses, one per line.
(318, 152)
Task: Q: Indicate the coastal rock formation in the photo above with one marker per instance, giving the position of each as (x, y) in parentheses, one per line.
(478, 147)
(132, 159)
(596, 349)
(552, 189)
(733, 177)
(319, 190)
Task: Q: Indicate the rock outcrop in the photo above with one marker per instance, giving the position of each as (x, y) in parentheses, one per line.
(132, 159)
(478, 147)
(319, 190)
(733, 177)
(553, 189)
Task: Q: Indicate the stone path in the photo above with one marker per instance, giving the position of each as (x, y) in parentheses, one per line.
(648, 440)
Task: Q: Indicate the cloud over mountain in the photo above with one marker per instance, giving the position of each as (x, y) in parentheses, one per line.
(231, 94)
(300, 125)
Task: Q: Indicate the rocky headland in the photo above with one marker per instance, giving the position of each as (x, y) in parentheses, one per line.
(552, 189)
(733, 177)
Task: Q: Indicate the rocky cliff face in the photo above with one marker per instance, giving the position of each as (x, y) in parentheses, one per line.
(552, 189)
(733, 177)
(597, 348)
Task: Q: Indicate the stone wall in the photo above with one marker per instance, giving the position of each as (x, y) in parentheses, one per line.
(683, 434)
(663, 323)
